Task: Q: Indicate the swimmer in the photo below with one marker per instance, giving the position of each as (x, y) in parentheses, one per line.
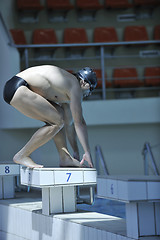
(54, 96)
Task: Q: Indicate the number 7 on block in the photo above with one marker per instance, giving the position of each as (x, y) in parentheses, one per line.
(69, 175)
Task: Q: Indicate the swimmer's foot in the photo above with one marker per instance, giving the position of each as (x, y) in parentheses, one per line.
(27, 162)
(69, 160)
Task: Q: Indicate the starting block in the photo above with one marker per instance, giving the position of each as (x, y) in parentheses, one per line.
(58, 186)
(8, 171)
(142, 197)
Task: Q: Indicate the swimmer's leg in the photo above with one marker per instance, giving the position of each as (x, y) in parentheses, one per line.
(66, 160)
(37, 107)
(41, 136)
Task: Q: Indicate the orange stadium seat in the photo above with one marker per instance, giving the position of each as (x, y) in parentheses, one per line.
(152, 76)
(88, 4)
(117, 4)
(59, 5)
(105, 34)
(18, 36)
(75, 35)
(99, 79)
(135, 33)
(126, 77)
(29, 5)
(44, 36)
(157, 32)
(70, 70)
(146, 2)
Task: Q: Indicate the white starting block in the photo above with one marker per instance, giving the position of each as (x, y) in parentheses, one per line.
(8, 171)
(142, 198)
(58, 186)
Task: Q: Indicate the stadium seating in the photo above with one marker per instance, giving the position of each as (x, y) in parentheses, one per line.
(59, 5)
(70, 70)
(44, 36)
(87, 9)
(152, 76)
(29, 5)
(99, 79)
(18, 36)
(57, 10)
(75, 35)
(126, 77)
(88, 4)
(135, 33)
(105, 34)
(117, 4)
(28, 10)
(156, 33)
(146, 2)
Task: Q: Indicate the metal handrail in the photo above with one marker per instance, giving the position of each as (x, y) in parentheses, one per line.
(100, 159)
(147, 150)
(99, 44)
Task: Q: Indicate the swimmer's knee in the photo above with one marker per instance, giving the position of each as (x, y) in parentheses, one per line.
(55, 128)
(16, 157)
(59, 125)
(60, 121)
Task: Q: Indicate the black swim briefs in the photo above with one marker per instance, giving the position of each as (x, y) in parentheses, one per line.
(11, 87)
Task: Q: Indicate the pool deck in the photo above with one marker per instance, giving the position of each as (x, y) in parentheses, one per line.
(22, 219)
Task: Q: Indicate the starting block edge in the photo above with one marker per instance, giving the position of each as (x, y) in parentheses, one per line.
(59, 169)
(52, 177)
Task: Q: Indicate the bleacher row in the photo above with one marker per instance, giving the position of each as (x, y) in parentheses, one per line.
(79, 35)
(128, 77)
(122, 77)
(117, 77)
(83, 4)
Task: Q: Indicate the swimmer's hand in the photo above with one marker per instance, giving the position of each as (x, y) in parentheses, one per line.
(87, 158)
(76, 156)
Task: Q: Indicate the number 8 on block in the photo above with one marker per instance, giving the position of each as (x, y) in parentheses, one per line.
(7, 170)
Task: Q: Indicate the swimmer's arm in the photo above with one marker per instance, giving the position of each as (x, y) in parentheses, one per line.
(70, 130)
(81, 128)
(80, 125)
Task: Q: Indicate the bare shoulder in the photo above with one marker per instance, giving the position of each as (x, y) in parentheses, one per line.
(51, 73)
(42, 69)
(51, 78)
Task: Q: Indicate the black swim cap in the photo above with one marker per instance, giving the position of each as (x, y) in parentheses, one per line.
(88, 75)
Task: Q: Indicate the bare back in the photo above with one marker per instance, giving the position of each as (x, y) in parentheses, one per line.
(51, 82)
